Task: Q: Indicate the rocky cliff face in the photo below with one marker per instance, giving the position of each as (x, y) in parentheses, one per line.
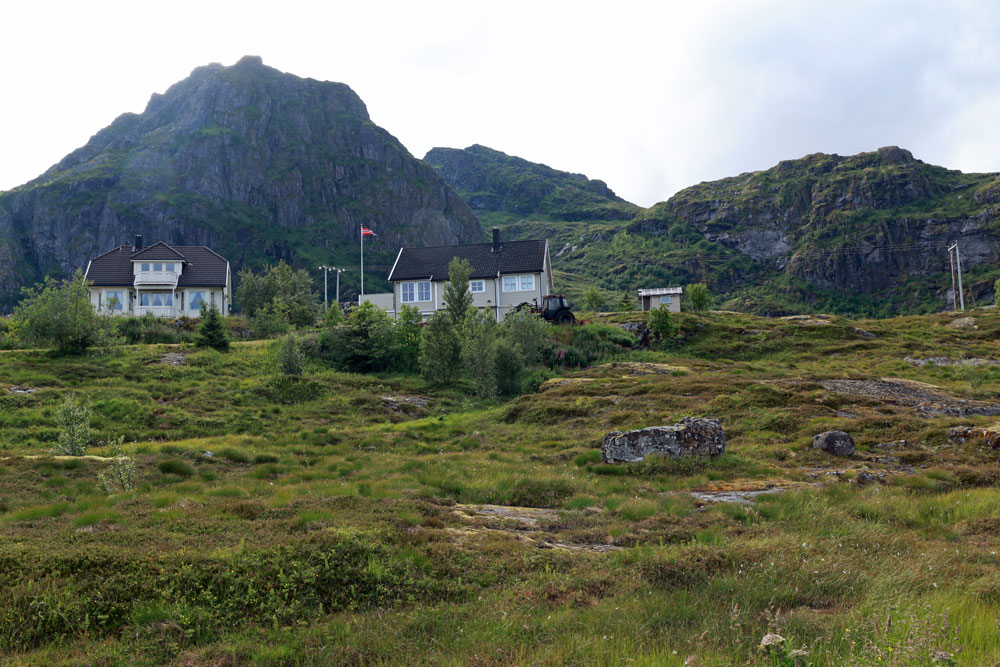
(257, 164)
(491, 181)
(876, 223)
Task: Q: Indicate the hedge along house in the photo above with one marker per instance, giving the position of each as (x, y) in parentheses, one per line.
(504, 275)
(164, 280)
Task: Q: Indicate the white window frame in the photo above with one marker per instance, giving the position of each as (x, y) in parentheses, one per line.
(203, 304)
(519, 280)
(120, 295)
(473, 284)
(411, 292)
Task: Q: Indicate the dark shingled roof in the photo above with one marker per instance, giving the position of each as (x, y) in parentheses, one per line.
(158, 250)
(202, 266)
(514, 257)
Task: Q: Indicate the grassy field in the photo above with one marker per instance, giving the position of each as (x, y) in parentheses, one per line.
(350, 519)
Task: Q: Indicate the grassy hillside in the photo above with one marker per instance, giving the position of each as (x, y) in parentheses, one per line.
(349, 519)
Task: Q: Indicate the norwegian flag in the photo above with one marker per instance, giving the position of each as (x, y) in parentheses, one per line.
(367, 232)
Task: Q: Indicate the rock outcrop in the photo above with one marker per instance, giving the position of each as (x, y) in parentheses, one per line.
(838, 443)
(693, 436)
(257, 164)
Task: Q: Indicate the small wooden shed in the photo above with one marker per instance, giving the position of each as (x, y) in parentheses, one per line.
(670, 297)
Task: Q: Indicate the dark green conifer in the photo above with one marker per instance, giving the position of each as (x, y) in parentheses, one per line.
(212, 332)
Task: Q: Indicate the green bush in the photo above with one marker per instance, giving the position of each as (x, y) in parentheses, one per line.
(234, 455)
(663, 327)
(698, 297)
(440, 351)
(121, 477)
(283, 295)
(73, 421)
(149, 329)
(265, 458)
(175, 467)
(289, 355)
(59, 314)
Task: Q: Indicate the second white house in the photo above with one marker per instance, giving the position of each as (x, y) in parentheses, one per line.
(504, 275)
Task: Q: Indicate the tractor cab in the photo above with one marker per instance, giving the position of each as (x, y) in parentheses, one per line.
(556, 309)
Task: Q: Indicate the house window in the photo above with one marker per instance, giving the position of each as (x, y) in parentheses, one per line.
(169, 267)
(156, 299)
(195, 299)
(114, 300)
(666, 299)
(412, 292)
(157, 266)
(145, 266)
(524, 283)
(477, 286)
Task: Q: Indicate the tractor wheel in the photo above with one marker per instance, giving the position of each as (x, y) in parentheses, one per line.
(565, 317)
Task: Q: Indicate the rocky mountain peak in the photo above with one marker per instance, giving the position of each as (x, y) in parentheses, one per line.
(256, 163)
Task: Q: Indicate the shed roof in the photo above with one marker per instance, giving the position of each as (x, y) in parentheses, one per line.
(513, 257)
(658, 291)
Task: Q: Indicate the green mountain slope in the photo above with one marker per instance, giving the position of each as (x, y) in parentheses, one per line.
(492, 182)
(258, 164)
(865, 234)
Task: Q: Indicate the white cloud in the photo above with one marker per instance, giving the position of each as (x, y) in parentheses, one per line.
(650, 97)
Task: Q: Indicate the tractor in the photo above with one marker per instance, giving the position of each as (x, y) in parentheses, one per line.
(555, 309)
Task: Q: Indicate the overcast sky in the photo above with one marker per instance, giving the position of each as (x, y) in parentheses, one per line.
(650, 97)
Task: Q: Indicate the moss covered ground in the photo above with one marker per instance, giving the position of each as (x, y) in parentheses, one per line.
(351, 519)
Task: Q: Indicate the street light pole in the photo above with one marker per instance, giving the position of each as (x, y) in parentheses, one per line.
(339, 271)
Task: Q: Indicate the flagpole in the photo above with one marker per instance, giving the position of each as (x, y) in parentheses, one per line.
(362, 266)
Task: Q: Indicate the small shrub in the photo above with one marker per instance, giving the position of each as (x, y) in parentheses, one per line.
(73, 420)
(699, 297)
(289, 355)
(175, 467)
(234, 455)
(121, 477)
(265, 458)
(540, 493)
(661, 325)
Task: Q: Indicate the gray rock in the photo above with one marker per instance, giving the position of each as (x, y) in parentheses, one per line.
(865, 478)
(864, 334)
(693, 436)
(837, 443)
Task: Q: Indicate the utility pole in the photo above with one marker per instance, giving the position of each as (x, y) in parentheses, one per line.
(326, 271)
(954, 295)
(956, 267)
(339, 271)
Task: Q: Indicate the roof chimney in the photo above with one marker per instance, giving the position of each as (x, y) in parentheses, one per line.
(138, 242)
(496, 239)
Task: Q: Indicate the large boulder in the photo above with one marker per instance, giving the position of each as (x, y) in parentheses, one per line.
(692, 437)
(837, 443)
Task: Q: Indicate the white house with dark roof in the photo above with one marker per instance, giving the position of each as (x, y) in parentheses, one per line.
(165, 280)
(504, 275)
